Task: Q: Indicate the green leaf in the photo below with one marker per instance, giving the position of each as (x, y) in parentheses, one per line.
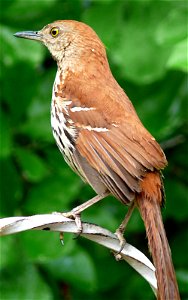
(144, 66)
(17, 12)
(130, 40)
(8, 255)
(77, 269)
(6, 136)
(37, 125)
(172, 29)
(54, 193)
(101, 214)
(137, 55)
(38, 129)
(178, 59)
(107, 263)
(23, 282)
(17, 91)
(178, 247)
(138, 288)
(42, 246)
(33, 167)
(182, 277)
(95, 18)
(11, 188)
(164, 100)
(14, 48)
(176, 194)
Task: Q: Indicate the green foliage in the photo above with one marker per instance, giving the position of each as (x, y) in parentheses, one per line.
(146, 44)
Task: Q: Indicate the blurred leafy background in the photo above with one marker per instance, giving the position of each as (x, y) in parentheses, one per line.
(146, 46)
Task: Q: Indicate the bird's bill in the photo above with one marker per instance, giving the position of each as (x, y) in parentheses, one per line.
(31, 35)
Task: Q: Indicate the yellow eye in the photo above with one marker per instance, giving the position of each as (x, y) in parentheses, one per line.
(54, 31)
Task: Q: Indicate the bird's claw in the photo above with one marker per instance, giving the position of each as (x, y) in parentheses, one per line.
(61, 238)
(76, 217)
(122, 242)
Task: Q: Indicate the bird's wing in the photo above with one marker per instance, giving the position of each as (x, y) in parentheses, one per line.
(121, 153)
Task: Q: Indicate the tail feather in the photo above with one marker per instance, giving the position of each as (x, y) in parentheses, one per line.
(149, 202)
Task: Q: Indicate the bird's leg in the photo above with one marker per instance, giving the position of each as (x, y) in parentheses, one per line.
(75, 212)
(121, 229)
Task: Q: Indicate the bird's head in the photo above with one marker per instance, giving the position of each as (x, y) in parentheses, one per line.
(67, 39)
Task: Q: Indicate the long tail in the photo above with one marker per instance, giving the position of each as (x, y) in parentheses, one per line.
(149, 202)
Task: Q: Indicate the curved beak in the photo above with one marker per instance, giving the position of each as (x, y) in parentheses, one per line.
(31, 35)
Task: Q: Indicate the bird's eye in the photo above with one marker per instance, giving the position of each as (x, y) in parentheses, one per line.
(54, 31)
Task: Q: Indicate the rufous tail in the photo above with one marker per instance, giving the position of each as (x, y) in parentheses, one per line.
(149, 202)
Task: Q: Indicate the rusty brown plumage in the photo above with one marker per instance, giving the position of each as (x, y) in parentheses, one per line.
(149, 202)
(101, 137)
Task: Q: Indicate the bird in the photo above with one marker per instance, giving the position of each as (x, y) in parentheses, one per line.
(102, 139)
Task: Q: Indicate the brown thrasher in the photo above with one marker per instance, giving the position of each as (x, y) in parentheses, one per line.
(101, 137)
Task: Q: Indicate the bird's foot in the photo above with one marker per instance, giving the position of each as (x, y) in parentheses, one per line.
(121, 229)
(122, 242)
(73, 214)
(76, 212)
